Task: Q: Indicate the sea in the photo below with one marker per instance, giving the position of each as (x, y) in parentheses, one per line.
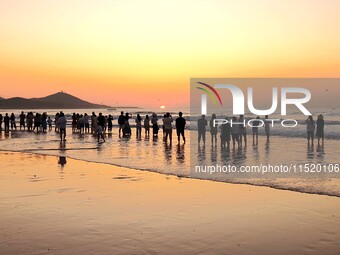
(287, 146)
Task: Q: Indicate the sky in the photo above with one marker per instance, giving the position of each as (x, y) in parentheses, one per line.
(144, 53)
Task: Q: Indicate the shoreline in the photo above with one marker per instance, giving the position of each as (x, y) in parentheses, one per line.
(267, 185)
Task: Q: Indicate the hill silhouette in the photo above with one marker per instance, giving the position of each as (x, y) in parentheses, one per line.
(60, 100)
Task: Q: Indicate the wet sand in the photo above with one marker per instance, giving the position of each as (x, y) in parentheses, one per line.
(90, 208)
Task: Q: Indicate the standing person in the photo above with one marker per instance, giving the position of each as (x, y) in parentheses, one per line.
(109, 123)
(320, 125)
(49, 122)
(62, 122)
(30, 119)
(138, 126)
(1, 122)
(225, 134)
(121, 123)
(147, 126)
(13, 124)
(100, 133)
(267, 127)
(36, 122)
(127, 128)
(243, 130)
(81, 123)
(180, 126)
(235, 132)
(155, 127)
(94, 123)
(6, 123)
(87, 123)
(310, 129)
(213, 129)
(44, 122)
(56, 124)
(255, 130)
(22, 117)
(163, 127)
(201, 128)
(74, 122)
(167, 122)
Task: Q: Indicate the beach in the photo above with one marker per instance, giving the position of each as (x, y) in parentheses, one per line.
(91, 208)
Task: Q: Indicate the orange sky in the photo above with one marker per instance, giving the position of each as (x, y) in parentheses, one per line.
(143, 53)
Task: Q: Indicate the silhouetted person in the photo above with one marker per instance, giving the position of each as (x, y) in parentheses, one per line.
(147, 126)
(109, 123)
(94, 123)
(180, 126)
(213, 130)
(44, 122)
(121, 122)
(267, 127)
(1, 119)
(242, 130)
(87, 123)
(138, 126)
(163, 127)
(320, 125)
(81, 124)
(74, 122)
(62, 122)
(36, 122)
(310, 129)
(101, 120)
(201, 128)
(154, 121)
(100, 133)
(255, 130)
(6, 123)
(56, 124)
(49, 122)
(225, 134)
(127, 128)
(235, 132)
(13, 124)
(22, 118)
(167, 123)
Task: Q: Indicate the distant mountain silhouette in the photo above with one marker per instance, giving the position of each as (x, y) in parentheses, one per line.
(58, 100)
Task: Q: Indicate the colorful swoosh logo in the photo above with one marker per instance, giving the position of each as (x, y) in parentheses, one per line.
(211, 92)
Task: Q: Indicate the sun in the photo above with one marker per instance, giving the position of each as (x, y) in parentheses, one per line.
(162, 107)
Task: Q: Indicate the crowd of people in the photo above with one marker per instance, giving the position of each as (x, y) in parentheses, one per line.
(237, 132)
(99, 125)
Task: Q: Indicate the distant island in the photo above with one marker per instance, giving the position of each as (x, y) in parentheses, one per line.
(60, 100)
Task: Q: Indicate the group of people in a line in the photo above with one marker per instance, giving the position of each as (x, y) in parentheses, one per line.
(237, 133)
(152, 122)
(33, 122)
(83, 123)
(98, 125)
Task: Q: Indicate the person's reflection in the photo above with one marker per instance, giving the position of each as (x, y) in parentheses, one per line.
(225, 154)
(267, 149)
(213, 153)
(180, 153)
(62, 160)
(167, 152)
(320, 153)
(310, 151)
(62, 145)
(201, 153)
